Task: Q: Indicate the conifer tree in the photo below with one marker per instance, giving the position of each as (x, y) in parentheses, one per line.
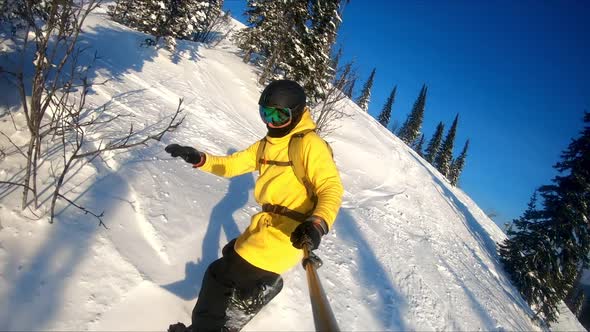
(251, 40)
(317, 70)
(531, 261)
(434, 144)
(293, 39)
(335, 62)
(285, 36)
(419, 146)
(276, 33)
(167, 18)
(442, 161)
(457, 165)
(547, 253)
(410, 130)
(120, 10)
(567, 204)
(365, 97)
(576, 297)
(386, 112)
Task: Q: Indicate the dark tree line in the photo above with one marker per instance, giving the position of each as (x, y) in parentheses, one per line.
(438, 152)
(547, 247)
(193, 20)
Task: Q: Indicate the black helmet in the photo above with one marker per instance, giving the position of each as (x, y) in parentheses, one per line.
(284, 94)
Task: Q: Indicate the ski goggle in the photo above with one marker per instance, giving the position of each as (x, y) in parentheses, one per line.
(276, 117)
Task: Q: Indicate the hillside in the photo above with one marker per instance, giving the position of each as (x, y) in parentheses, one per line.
(408, 251)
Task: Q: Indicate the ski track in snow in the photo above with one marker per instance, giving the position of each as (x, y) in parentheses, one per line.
(407, 252)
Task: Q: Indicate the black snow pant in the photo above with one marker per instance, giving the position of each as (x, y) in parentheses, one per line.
(223, 277)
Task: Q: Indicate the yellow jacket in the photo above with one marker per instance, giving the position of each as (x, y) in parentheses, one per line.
(266, 242)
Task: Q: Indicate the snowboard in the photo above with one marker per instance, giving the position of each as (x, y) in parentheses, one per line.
(242, 307)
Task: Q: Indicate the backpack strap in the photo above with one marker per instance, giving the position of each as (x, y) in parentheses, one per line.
(260, 160)
(297, 164)
(295, 149)
(260, 153)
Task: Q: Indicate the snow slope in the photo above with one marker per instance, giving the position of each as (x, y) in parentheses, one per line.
(408, 251)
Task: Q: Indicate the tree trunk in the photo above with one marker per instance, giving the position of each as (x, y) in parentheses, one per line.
(27, 178)
(247, 56)
(58, 185)
(33, 124)
(36, 156)
(268, 68)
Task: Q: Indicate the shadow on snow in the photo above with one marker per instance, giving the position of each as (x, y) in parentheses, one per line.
(372, 275)
(486, 242)
(36, 294)
(221, 218)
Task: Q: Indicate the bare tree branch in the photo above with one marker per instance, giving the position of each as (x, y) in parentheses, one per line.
(330, 108)
(13, 120)
(86, 211)
(13, 144)
(123, 142)
(55, 109)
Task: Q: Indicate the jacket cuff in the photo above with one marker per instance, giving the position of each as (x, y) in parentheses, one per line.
(320, 223)
(202, 162)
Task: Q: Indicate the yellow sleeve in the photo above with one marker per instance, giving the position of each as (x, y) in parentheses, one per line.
(238, 163)
(323, 174)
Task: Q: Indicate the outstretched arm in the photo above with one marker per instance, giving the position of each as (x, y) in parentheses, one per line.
(235, 164)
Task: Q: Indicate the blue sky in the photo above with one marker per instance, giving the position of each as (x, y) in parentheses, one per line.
(517, 72)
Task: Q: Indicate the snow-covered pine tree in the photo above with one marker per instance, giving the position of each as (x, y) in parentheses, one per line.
(434, 144)
(442, 161)
(318, 70)
(531, 260)
(365, 97)
(283, 39)
(335, 61)
(567, 204)
(410, 130)
(183, 19)
(576, 297)
(123, 12)
(551, 247)
(263, 20)
(457, 165)
(293, 39)
(210, 16)
(288, 56)
(19, 13)
(419, 145)
(386, 112)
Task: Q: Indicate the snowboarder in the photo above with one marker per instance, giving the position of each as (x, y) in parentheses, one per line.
(300, 191)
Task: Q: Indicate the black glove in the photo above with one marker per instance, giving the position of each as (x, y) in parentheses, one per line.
(190, 155)
(178, 327)
(313, 229)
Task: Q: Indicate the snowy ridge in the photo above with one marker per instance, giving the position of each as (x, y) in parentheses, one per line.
(408, 251)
